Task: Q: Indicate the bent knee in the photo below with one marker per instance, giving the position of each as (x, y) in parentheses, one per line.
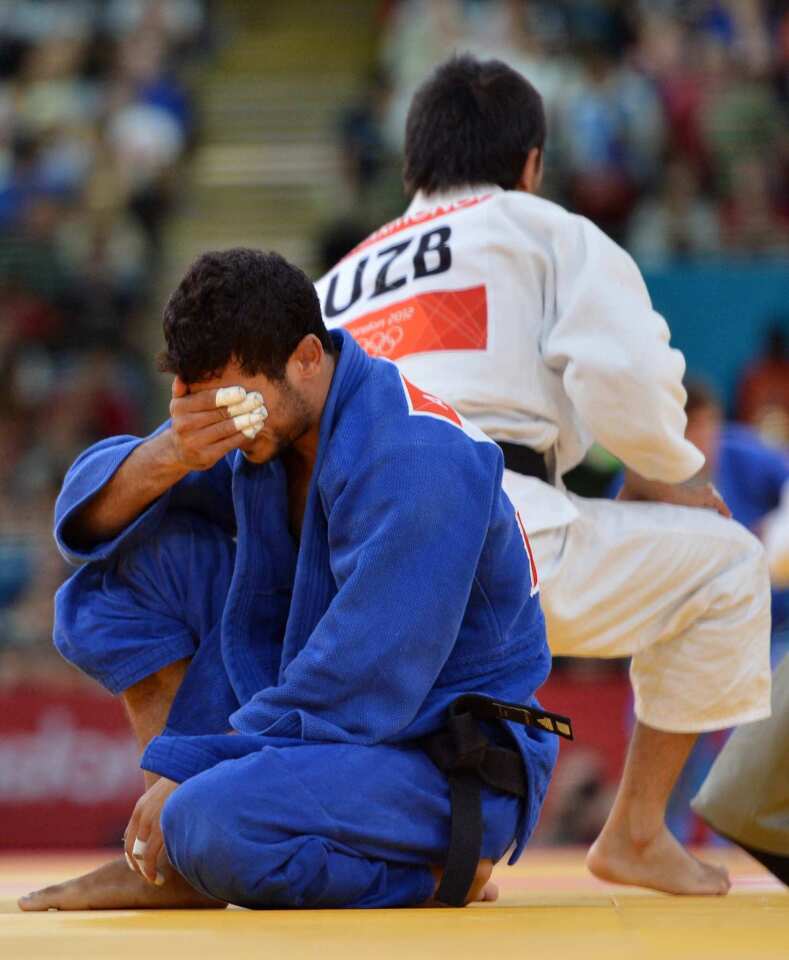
(211, 846)
(191, 843)
(738, 556)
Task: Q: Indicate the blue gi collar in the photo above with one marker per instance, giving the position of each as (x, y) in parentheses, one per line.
(352, 367)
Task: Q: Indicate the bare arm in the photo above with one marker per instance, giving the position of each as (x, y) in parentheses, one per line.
(145, 475)
(200, 434)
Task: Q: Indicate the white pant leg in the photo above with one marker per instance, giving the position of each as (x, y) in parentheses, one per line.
(681, 590)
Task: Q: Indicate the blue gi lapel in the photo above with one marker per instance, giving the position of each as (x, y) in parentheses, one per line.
(314, 586)
(253, 623)
(276, 592)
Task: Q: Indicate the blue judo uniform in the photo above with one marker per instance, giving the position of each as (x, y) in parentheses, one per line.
(330, 657)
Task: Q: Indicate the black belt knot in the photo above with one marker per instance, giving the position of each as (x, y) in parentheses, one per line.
(465, 754)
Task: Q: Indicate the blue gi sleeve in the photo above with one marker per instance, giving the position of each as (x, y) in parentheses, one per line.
(208, 492)
(405, 531)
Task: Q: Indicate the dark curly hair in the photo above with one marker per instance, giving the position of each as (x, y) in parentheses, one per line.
(472, 121)
(243, 304)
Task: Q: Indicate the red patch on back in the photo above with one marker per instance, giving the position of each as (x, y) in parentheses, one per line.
(440, 320)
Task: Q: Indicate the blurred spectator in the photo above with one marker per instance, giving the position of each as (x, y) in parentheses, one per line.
(749, 474)
(677, 222)
(371, 167)
(763, 392)
(419, 34)
(611, 135)
(751, 217)
(95, 124)
(337, 239)
(581, 798)
(629, 87)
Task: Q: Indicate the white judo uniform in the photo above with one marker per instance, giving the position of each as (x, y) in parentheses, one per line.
(539, 329)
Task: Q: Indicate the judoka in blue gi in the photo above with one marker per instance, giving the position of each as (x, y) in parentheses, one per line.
(289, 612)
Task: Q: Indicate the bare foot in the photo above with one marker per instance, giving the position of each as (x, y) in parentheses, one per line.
(660, 864)
(114, 886)
(483, 889)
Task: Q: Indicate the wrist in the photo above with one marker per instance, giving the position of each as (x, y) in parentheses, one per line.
(166, 466)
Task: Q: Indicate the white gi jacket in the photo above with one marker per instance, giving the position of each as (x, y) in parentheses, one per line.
(532, 323)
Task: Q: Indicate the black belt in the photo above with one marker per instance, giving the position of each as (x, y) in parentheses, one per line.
(524, 460)
(468, 758)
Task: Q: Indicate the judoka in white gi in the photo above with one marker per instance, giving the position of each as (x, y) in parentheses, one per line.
(539, 329)
(286, 585)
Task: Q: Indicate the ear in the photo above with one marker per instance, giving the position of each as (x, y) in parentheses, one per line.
(307, 357)
(531, 177)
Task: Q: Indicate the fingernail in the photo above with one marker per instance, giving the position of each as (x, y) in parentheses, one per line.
(138, 850)
(251, 432)
(159, 879)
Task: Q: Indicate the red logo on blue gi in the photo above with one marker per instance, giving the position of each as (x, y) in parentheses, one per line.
(421, 403)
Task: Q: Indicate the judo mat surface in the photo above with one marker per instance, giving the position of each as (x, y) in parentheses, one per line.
(549, 909)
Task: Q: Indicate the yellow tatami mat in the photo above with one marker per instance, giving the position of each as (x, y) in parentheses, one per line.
(549, 909)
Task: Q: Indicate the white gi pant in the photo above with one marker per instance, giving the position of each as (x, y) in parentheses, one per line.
(681, 590)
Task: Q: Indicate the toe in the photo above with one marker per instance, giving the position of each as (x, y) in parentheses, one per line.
(37, 900)
(490, 892)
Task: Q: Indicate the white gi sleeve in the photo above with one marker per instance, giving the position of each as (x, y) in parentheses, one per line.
(612, 351)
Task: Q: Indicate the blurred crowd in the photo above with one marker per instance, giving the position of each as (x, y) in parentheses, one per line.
(96, 120)
(668, 120)
(667, 126)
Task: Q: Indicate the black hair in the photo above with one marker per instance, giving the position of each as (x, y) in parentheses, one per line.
(472, 121)
(239, 304)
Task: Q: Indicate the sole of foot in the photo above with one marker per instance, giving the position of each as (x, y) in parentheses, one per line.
(114, 886)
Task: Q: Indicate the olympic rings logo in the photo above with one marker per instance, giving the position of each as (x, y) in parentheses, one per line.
(382, 343)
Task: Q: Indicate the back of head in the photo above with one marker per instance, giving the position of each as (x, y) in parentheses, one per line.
(471, 122)
(239, 304)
